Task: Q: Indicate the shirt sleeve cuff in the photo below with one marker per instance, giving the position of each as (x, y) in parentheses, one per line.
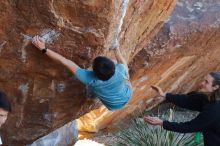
(77, 73)
(166, 125)
(169, 96)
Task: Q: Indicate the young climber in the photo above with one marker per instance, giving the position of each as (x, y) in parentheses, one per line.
(205, 101)
(109, 81)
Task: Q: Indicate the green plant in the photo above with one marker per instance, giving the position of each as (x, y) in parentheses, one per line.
(141, 134)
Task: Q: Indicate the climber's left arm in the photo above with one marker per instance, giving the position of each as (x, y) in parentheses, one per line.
(40, 44)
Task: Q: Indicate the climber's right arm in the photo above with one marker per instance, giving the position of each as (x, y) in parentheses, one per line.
(118, 55)
(40, 44)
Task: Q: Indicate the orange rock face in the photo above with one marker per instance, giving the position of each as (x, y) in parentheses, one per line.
(44, 94)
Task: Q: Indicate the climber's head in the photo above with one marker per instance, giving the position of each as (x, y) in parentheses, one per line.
(211, 84)
(103, 67)
(5, 108)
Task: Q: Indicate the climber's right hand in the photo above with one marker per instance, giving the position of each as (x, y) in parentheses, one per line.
(114, 46)
(38, 42)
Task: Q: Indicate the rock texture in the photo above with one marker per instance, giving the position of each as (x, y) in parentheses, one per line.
(44, 94)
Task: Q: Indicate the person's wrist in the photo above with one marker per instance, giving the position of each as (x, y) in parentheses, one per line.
(163, 94)
(112, 48)
(161, 124)
(41, 48)
(115, 49)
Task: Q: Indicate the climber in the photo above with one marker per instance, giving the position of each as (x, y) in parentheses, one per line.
(205, 100)
(109, 81)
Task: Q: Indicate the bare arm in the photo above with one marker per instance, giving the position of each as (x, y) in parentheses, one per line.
(40, 44)
(119, 57)
(66, 62)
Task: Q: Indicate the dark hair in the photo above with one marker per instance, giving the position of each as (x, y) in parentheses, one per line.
(216, 81)
(4, 102)
(103, 67)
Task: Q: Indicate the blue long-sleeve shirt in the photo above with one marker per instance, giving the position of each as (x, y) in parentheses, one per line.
(207, 122)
